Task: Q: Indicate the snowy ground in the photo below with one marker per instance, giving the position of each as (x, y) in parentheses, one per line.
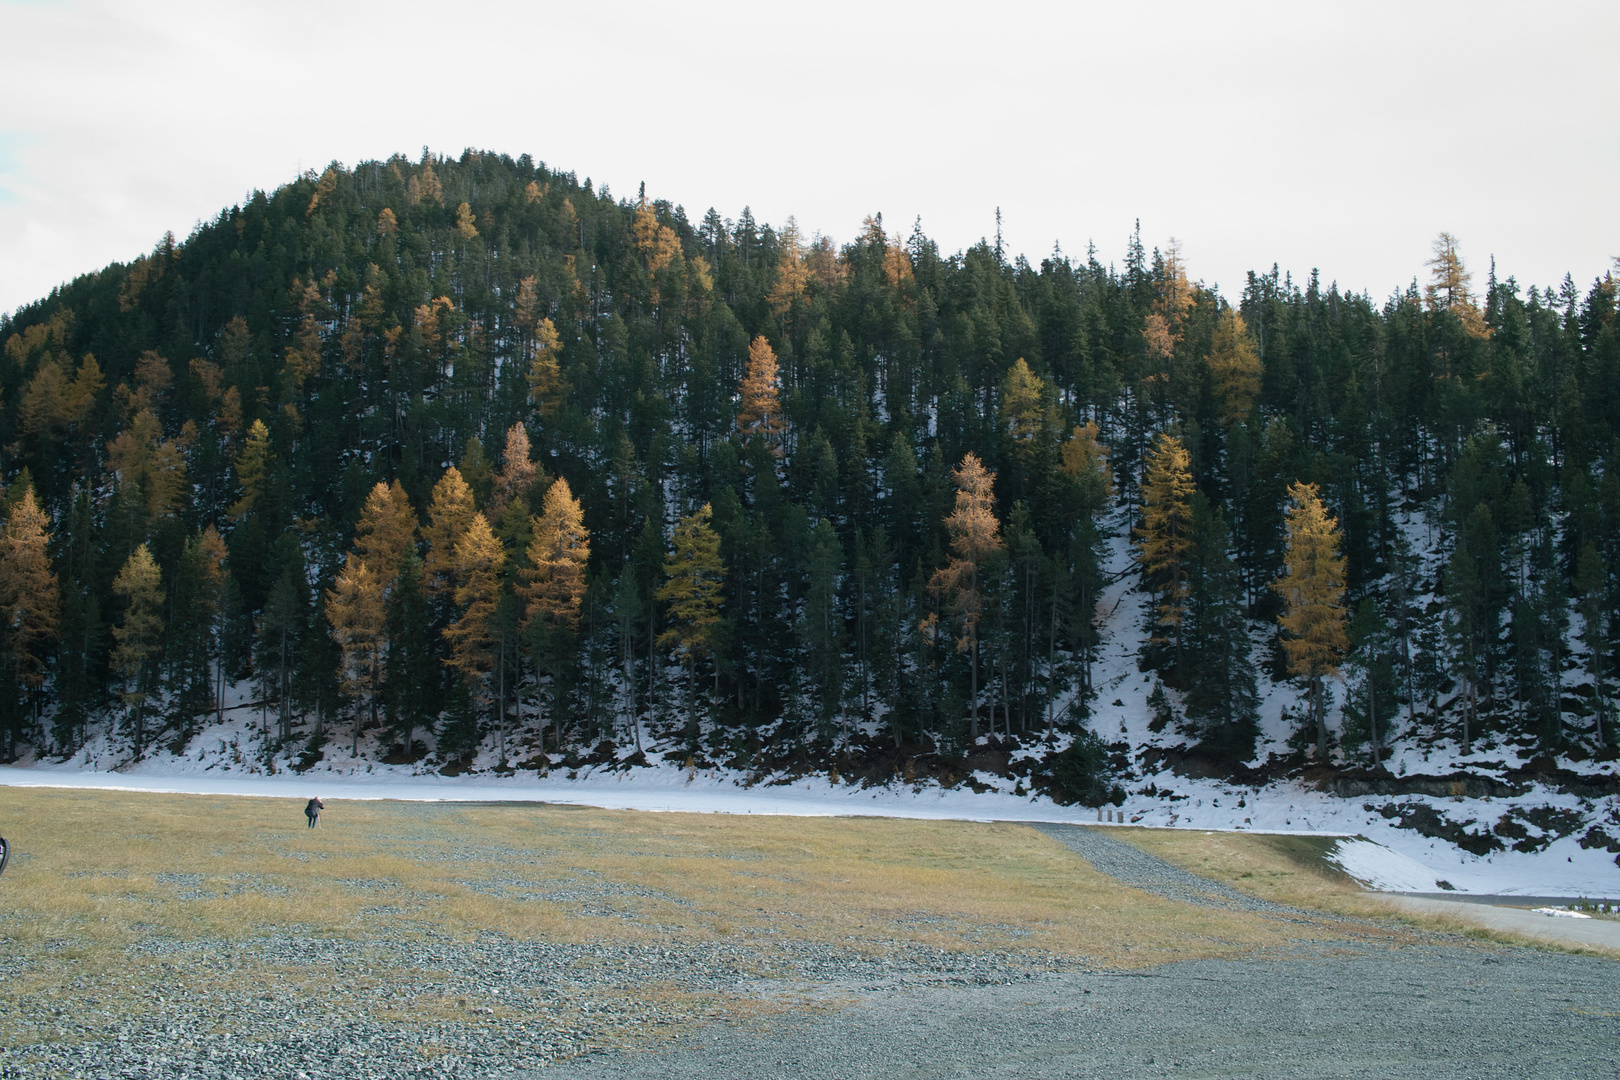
(1394, 859)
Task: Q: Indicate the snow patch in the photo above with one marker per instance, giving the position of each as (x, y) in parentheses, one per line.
(1377, 867)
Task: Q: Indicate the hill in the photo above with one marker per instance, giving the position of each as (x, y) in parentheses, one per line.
(467, 464)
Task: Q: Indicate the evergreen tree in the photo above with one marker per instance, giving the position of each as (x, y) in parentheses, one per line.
(410, 680)
(1372, 683)
(1221, 697)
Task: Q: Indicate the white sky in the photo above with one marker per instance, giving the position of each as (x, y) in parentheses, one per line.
(1339, 136)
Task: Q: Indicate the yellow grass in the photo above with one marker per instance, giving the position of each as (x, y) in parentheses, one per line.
(106, 869)
(95, 873)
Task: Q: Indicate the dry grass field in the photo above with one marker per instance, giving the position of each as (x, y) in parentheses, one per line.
(120, 905)
(98, 871)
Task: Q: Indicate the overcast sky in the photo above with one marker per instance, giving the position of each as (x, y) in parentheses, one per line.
(1338, 136)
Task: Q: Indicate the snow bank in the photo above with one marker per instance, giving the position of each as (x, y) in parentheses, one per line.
(1377, 867)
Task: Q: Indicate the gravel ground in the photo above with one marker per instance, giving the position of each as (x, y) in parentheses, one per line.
(1429, 1012)
(309, 1008)
(421, 1006)
(1150, 873)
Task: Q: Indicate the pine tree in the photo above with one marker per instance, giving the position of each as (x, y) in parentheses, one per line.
(1372, 684)
(199, 592)
(1164, 542)
(410, 689)
(821, 624)
(1597, 624)
(694, 576)
(1221, 693)
(283, 626)
(1312, 588)
(975, 537)
(139, 636)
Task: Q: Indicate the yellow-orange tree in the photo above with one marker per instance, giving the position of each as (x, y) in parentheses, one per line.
(386, 532)
(450, 514)
(760, 413)
(139, 637)
(29, 602)
(553, 581)
(975, 537)
(694, 575)
(354, 607)
(479, 558)
(1312, 588)
(1234, 368)
(1165, 538)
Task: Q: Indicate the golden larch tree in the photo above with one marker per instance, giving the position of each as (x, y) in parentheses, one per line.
(479, 558)
(547, 389)
(657, 243)
(975, 536)
(553, 576)
(139, 636)
(1165, 537)
(792, 273)
(1024, 411)
(1085, 461)
(253, 467)
(1448, 287)
(29, 600)
(694, 576)
(1234, 368)
(760, 413)
(1312, 587)
(518, 473)
(450, 515)
(358, 615)
(385, 532)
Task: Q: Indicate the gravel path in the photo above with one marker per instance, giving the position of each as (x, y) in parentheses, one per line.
(1417, 1012)
(1137, 868)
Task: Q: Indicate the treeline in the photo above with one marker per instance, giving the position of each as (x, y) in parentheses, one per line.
(457, 454)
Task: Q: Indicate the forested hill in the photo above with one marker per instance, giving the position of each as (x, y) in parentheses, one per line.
(464, 457)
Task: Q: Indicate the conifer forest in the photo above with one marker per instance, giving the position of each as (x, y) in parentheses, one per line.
(446, 461)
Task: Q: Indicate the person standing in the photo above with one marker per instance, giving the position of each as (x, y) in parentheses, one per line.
(312, 810)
